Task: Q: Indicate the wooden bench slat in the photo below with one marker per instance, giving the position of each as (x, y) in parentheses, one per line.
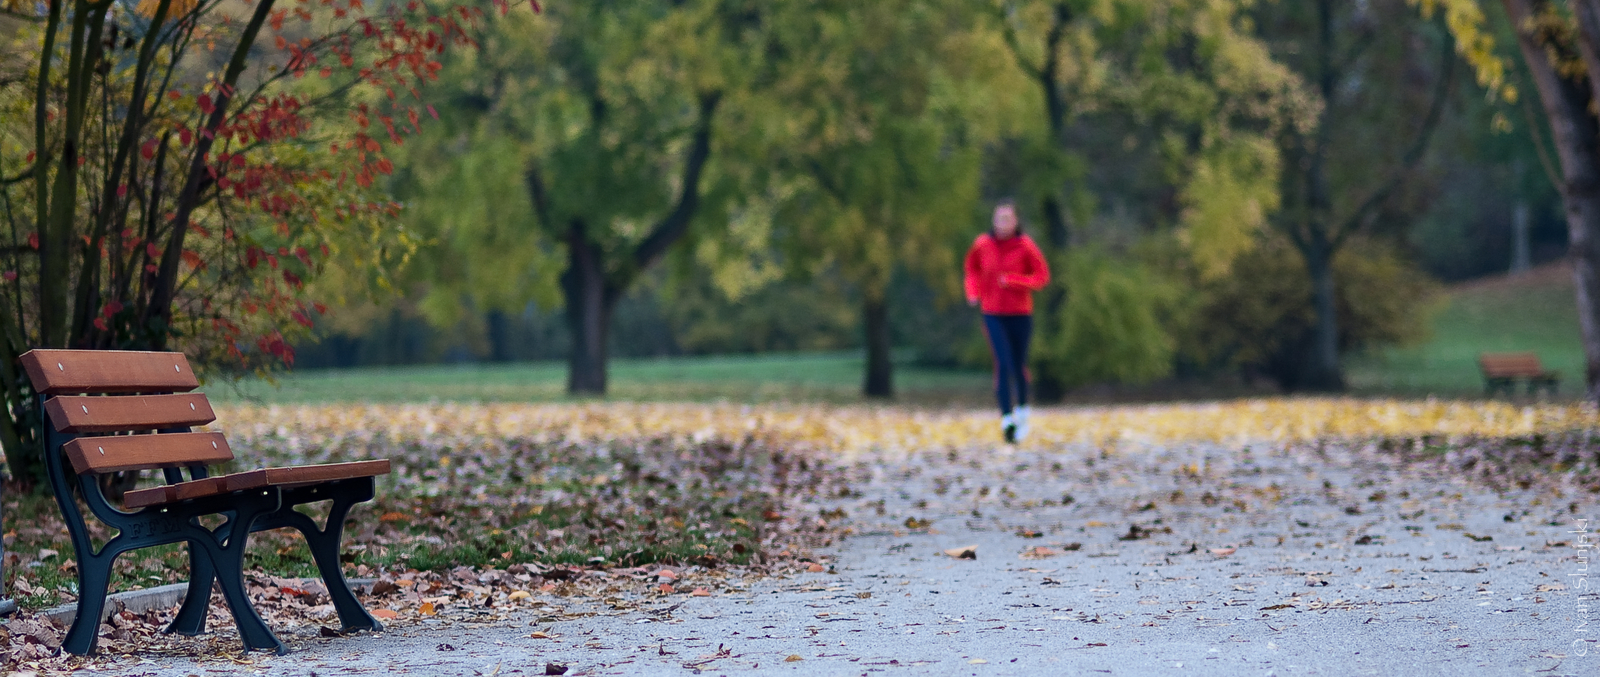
(91, 414)
(169, 493)
(137, 452)
(306, 474)
(1512, 365)
(55, 372)
(254, 479)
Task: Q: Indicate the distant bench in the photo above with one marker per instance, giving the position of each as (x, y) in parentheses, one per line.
(110, 411)
(1502, 370)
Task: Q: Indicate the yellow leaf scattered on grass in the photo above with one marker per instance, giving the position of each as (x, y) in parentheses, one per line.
(855, 430)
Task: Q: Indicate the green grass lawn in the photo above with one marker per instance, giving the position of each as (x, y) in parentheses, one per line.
(827, 377)
(1534, 312)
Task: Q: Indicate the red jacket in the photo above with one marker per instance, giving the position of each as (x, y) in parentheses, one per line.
(1003, 274)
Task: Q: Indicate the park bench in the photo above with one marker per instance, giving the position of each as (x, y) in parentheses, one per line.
(108, 411)
(1501, 371)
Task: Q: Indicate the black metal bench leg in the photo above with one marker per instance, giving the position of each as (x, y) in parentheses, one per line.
(94, 577)
(228, 559)
(191, 618)
(324, 545)
(325, 550)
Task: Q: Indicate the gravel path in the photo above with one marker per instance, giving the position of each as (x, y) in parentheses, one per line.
(1182, 560)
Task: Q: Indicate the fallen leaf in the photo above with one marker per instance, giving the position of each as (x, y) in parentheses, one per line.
(1551, 587)
(555, 669)
(701, 592)
(519, 594)
(1040, 552)
(539, 634)
(963, 552)
(384, 587)
(386, 614)
(977, 661)
(1276, 607)
(815, 568)
(792, 658)
(1479, 539)
(1223, 552)
(47, 553)
(915, 523)
(427, 609)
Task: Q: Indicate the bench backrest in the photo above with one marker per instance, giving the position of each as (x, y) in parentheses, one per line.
(114, 401)
(1510, 365)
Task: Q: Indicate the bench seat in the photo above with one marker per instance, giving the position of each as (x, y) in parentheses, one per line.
(288, 478)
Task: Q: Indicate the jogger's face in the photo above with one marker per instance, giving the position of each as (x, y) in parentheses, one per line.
(1005, 221)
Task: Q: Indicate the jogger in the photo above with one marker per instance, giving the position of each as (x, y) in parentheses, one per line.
(1003, 269)
(1008, 341)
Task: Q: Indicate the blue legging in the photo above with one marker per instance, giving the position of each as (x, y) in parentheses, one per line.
(1008, 340)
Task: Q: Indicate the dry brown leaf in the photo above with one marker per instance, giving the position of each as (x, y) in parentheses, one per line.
(963, 552)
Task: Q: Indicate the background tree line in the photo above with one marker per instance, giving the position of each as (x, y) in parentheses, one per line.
(1223, 188)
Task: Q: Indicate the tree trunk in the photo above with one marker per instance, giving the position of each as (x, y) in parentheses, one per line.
(588, 314)
(1322, 371)
(880, 368)
(1521, 258)
(498, 328)
(1577, 143)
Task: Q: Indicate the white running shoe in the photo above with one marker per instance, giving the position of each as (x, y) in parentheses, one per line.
(1021, 416)
(1008, 428)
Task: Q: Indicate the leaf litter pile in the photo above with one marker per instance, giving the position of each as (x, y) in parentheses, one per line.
(494, 508)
